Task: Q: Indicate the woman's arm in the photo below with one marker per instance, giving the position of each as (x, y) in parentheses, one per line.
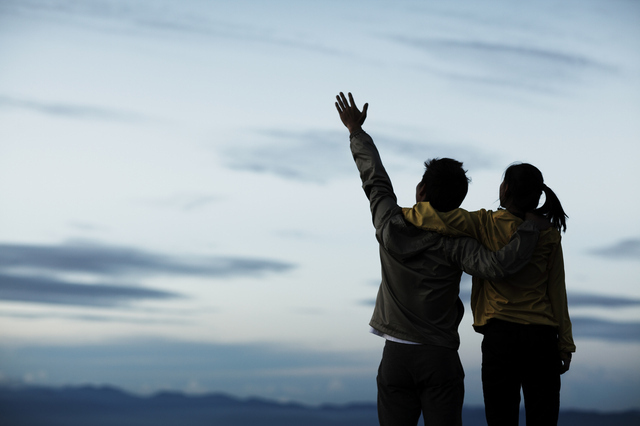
(557, 293)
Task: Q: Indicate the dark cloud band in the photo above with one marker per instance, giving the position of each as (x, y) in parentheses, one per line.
(69, 110)
(622, 250)
(492, 49)
(491, 64)
(120, 261)
(51, 291)
(35, 273)
(596, 300)
(606, 330)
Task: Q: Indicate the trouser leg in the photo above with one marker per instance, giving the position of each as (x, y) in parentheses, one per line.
(441, 388)
(541, 378)
(515, 356)
(500, 379)
(398, 401)
(420, 378)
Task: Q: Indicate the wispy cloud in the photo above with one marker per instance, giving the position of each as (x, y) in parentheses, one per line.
(40, 273)
(121, 261)
(321, 156)
(139, 316)
(590, 327)
(367, 302)
(184, 201)
(622, 250)
(493, 49)
(597, 300)
(87, 226)
(520, 64)
(67, 110)
(168, 18)
(404, 150)
(51, 291)
(606, 330)
(308, 156)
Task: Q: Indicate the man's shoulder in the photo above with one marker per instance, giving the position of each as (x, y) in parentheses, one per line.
(401, 236)
(399, 223)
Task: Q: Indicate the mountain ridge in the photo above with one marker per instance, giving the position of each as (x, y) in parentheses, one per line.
(26, 405)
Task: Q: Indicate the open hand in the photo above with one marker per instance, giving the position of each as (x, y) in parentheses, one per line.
(350, 115)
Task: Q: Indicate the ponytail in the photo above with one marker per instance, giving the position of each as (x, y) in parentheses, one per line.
(552, 210)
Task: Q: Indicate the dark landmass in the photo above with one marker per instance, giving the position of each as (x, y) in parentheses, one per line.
(107, 406)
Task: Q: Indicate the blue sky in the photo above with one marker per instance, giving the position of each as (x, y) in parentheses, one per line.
(180, 209)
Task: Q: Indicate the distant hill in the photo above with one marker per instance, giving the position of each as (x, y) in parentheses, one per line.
(107, 406)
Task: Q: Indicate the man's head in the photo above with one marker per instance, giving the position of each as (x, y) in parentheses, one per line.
(444, 184)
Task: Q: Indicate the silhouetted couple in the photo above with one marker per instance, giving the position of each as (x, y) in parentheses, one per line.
(518, 296)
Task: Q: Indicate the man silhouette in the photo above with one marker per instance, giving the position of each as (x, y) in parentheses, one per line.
(418, 308)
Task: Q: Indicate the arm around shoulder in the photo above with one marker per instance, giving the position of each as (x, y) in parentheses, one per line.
(474, 259)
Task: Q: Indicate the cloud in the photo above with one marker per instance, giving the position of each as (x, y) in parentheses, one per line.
(87, 226)
(140, 316)
(500, 50)
(367, 302)
(153, 17)
(605, 330)
(308, 156)
(505, 64)
(52, 291)
(582, 326)
(597, 300)
(185, 201)
(623, 250)
(403, 150)
(120, 261)
(40, 274)
(69, 110)
(321, 156)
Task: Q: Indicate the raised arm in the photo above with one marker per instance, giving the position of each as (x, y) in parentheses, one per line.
(375, 180)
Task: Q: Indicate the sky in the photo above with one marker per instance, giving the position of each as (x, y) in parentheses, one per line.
(179, 209)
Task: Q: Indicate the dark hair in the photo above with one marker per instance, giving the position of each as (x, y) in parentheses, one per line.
(445, 183)
(525, 185)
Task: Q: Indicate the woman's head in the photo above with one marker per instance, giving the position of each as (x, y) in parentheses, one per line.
(521, 190)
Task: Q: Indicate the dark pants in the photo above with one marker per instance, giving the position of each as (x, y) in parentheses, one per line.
(414, 379)
(518, 356)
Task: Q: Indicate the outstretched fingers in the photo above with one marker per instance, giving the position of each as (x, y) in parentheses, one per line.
(349, 113)
(363, 115)
(342, 102)
(353, 103)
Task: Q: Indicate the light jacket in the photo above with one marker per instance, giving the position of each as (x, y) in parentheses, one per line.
(535, 295)
(418, 297)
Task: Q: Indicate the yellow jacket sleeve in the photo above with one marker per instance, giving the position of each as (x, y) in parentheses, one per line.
(455, 223)
(557, 293)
